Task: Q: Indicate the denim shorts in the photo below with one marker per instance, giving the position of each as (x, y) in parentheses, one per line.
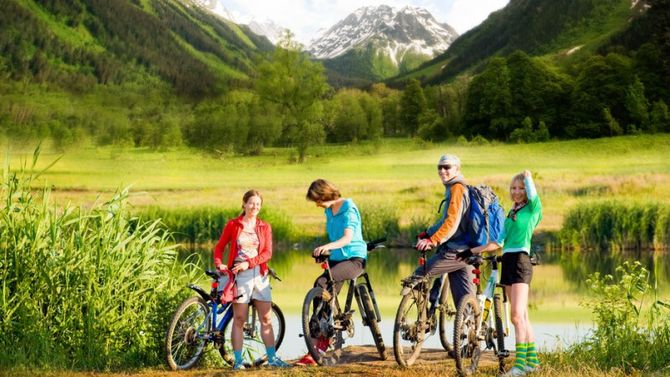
(252, 285)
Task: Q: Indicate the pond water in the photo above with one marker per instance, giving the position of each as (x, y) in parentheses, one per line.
(557, 291)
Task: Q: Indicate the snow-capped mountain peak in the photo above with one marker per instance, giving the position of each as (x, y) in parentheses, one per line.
(395, 31)
(269, 29)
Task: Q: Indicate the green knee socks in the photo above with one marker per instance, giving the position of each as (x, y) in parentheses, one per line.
(531, 355)
(520, 360)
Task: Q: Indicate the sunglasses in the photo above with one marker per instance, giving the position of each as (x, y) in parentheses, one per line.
(445, 167)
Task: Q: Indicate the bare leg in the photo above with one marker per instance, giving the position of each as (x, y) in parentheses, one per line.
(240, 313)
(518, 296)
(265, 315)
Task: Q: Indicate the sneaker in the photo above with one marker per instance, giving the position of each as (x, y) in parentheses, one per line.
(278, 363)
(239, 366)
(514, 372)
(306, 360)
(530, 369)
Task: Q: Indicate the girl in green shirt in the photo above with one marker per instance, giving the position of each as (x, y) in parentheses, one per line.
(517, 270)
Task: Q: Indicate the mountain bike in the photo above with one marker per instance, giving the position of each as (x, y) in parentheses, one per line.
(205, 319)
(473, 325)
(324, 322)
(419, 315)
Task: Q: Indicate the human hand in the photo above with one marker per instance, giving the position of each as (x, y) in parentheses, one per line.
(424, 244)
(463, 255)
(240, 267)
(422, 235)
(319, 250)
(222, 267)
(527, 174)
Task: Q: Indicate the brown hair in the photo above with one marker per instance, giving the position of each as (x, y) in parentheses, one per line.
(248, 195)
(520, 178)
(322, 191)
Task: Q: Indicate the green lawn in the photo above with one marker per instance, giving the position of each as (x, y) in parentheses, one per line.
(393, 172)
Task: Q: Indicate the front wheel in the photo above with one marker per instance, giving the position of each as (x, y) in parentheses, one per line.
(409, 329)
(371, 319)
(253, 348)
(323, 340)
(186, 335)
(500, 331)
(446, 316)
(467, 347)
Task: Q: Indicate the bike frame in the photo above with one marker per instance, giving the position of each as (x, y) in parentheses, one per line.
(485, 296)
(217, 309)
(351, 292)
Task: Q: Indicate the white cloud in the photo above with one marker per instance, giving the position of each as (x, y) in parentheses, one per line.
(305, 17)
(466, 14)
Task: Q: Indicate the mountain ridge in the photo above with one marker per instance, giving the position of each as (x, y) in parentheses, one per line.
(382, 41)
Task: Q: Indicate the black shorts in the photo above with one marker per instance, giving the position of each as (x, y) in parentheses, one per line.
(516, 268)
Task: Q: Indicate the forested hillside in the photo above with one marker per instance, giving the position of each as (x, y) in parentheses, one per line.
(116, 69)
(164, 73)
(537, 70)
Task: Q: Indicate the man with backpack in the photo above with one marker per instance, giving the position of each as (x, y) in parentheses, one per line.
(449, 234)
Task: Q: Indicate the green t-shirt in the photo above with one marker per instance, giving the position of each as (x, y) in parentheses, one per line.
(518, 233)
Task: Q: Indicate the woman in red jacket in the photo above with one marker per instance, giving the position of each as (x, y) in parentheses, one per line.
(250, 241)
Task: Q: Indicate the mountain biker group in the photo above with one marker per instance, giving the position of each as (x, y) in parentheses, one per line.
(250, 244)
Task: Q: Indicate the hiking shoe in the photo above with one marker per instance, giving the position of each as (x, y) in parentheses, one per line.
(278, 363)
(514, 372)
(306, 360)
(530, 369)
(239, 366)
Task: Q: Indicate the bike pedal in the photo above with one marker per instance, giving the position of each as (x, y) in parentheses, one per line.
(326, 296)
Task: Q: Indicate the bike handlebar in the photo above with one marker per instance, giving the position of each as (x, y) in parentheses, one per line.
(372, 245)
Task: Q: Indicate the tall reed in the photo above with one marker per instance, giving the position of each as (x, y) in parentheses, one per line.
(203, 225)
(617, 225)
(80, 287)
(631, 332)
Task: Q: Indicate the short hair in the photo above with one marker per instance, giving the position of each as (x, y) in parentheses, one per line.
(322, 191)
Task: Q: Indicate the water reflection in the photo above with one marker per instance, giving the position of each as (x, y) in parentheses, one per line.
(556, 291)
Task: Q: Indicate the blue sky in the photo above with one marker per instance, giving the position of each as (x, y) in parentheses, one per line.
(306, 17)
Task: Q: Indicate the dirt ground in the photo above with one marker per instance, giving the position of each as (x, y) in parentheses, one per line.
(355, 361)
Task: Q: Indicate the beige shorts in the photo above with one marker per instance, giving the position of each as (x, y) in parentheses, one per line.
(251, 285)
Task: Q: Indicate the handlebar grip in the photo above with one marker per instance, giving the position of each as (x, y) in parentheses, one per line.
(373, 244)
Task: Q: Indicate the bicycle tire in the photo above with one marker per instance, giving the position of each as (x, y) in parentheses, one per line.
(500, 331)
(253, 347)
(183, 346)
(332, 353)
(410, 327)
(446, 316)
(467, 346)
(371, 320)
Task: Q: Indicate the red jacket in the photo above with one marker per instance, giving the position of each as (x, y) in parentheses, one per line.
(231, 232)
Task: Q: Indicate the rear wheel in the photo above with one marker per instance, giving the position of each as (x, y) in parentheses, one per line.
(253, 348)
(185, 340)
(409, 329)
(446, 316)
(371, 320)
(323, 341)
(467, 346)
(500, 331)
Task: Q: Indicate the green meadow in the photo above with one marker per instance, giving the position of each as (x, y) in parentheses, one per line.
(395, 174)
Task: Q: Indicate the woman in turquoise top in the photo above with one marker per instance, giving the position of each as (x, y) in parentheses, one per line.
(517, 270)
(348, 251)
